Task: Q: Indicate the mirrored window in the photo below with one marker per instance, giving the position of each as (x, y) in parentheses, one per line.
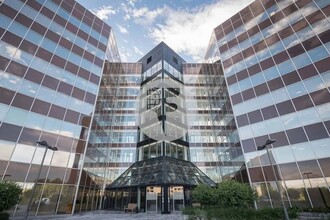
(308, 116)
(296, 89)
(16, 116)
(35, 121)
(285, 67)
(52, 125)
(45, 94)
(3, 111)
(280, 95)
(290, 121)
(6, 149)
(23, 153)
(324, 111)
(303, 151)
(321, 148)
(60, 159)
(301, 60)
(313, 84)
(283, 154)
(28, 88)
(10, 81)
(252, 159)
(318, 53)
(39, 153)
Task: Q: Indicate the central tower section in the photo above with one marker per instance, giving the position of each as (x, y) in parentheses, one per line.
(162, 115)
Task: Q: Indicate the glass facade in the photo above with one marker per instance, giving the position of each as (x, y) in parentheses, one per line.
(113, 137)
(162, 117)
(147, 132)
(213, 139)
(275, 56)
(161, 178)
(51, 61)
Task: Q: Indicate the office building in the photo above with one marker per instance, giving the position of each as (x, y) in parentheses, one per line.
(275, 57)
(52, 56)
(147, 132)
(213, 138)
(162, 177)
(114, 135)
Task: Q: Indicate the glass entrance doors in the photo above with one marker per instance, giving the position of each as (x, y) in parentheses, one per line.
(176, 198)
(155, 199)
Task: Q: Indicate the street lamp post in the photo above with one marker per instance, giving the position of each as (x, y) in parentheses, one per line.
(44, 144)
(307, 174)
(269, 142)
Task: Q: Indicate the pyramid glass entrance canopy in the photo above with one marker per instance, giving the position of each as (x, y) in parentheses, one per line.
(161, 171)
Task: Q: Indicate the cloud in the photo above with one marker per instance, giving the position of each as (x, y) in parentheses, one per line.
(131, 2)
(14, 53)
(127, 10)
(12, 50)
(138, 51)
(187, 31)
(142, 16)
(122, 29)
(125, 55)
(104, 12)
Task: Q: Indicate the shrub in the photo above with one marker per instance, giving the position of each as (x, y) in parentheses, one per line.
(228, 213)
(230, 200)
(9, 195)
(205, 195)
(193, 213)
(293, 211)
(231, 193)
(269, 213)
(227, 194)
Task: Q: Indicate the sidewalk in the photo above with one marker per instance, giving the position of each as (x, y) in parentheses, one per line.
(106, 215)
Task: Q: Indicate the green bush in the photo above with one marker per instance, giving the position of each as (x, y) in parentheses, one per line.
(269, 213)
(193, 213)
(10, 194)
(230, 200)
(231, 193)
(227, 194)
(205, 195)
(293, 212)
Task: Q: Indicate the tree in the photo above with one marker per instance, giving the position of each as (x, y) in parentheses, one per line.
(228, 194)
(204, 195)
(10, 193)
(232, 194)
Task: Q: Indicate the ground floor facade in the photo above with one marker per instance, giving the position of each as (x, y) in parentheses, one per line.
(150, 199)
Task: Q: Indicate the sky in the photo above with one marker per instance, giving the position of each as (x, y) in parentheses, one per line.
(184, 25)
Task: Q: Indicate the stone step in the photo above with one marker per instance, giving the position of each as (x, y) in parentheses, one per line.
(310, 215)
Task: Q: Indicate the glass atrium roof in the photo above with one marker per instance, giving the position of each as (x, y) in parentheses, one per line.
(161, 171)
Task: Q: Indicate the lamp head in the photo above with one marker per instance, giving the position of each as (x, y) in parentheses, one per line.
(261, 147)
(43, 143)
(270, 141)
(53, 148)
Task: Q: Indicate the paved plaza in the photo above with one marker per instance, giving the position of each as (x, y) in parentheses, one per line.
(106, 215)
